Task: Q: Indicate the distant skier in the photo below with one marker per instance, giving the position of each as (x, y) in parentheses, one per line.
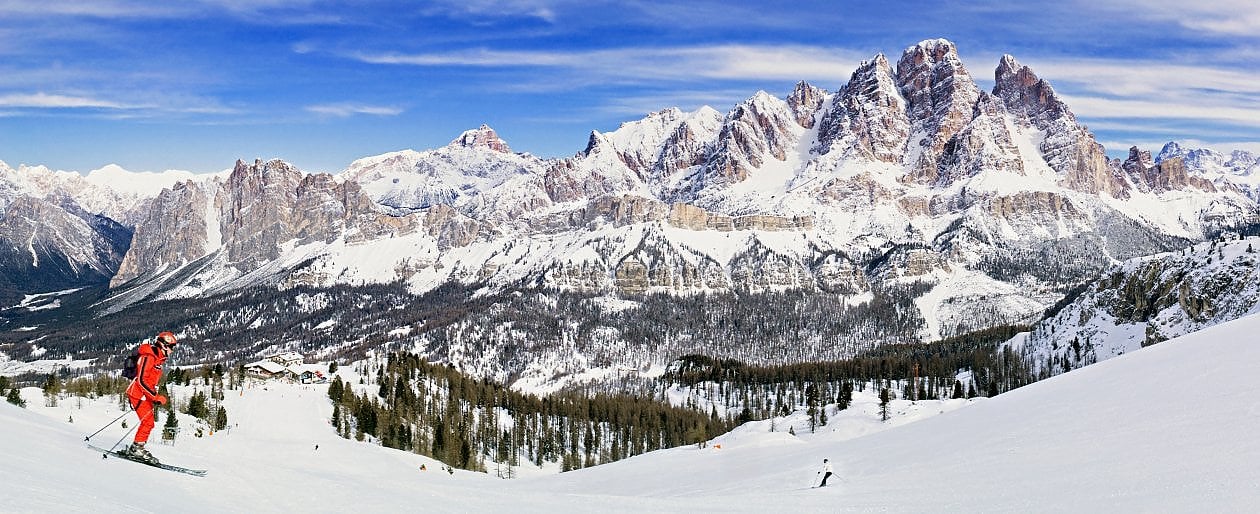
(826, 471)
(142, 393)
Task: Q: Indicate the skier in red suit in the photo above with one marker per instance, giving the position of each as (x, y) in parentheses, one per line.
(142, 392)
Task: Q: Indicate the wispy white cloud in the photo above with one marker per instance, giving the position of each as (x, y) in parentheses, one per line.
(1098, 107)
(721, 62)
(47, 101)
(1224, 17)
(544, 10)
(94, 8)
(1126, 77)
(343, 110)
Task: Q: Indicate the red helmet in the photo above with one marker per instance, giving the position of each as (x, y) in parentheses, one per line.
(167, 339)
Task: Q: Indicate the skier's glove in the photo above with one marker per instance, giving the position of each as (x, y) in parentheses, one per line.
(160, 399)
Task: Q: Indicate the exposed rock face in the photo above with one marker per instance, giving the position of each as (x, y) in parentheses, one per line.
(686, 147)
(840, 275)
(450, 227)
(638, 144)
(599, 171)
(985, 143)
(1169, 175)
(623, 210)
(1034, 203)
(482, 137)
(868, 115)
(586, 277)
(940, 98)
(258, 212)
(754, 131)
(172, 233)
(1067, 147)
(688, 216)
(805, 101)
(54, 246)
(260, 208)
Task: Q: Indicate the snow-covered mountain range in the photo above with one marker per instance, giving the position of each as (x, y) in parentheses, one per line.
(996, 201)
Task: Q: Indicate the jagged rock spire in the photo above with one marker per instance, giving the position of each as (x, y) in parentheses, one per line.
(941, 97)
(871, 110)
(805, 101)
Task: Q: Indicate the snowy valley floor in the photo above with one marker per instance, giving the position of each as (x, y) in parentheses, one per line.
(1165, 429)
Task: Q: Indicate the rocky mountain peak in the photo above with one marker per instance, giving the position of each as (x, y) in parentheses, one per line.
(758, 129)
(805, 101)
(594, 142)
(1138, 157)
(872, 110)
(1243, 157)
(1067, 147)
(937, 49)
(1210, 163)
(1170, 173)
(940, 96)
(1170, 149)
(481, 137)
(1026, 94)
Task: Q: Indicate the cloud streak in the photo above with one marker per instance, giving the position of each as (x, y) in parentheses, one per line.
(677, 64)
(1222, 17)
(47, 101)
(343, 110)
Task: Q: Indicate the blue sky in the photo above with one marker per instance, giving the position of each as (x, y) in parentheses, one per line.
(194, 85)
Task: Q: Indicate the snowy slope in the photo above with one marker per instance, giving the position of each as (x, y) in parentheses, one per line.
(1164, 429)
(1146, 300)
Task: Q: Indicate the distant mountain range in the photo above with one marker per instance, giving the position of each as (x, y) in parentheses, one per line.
(993, 203)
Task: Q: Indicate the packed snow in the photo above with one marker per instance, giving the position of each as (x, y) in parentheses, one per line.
(1166, 429)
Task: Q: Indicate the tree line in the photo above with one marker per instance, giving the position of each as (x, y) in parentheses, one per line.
(411, 404)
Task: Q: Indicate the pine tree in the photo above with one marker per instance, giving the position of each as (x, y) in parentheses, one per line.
(220, 419)
(884, 400)
(197, 407)
(958, 390)
(811, 400)
(52, 388)
(15, 398)
(171, 428)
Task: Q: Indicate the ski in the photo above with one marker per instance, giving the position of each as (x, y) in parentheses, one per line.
(168, 467)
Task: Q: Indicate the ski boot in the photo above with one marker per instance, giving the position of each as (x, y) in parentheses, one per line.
(137, 452)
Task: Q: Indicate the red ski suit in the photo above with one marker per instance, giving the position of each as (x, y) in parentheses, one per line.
(143, 390)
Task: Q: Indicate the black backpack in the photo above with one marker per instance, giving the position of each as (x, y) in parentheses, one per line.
(129, 366)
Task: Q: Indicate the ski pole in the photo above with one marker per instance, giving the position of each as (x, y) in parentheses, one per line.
(120, 440)
(107, 425)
